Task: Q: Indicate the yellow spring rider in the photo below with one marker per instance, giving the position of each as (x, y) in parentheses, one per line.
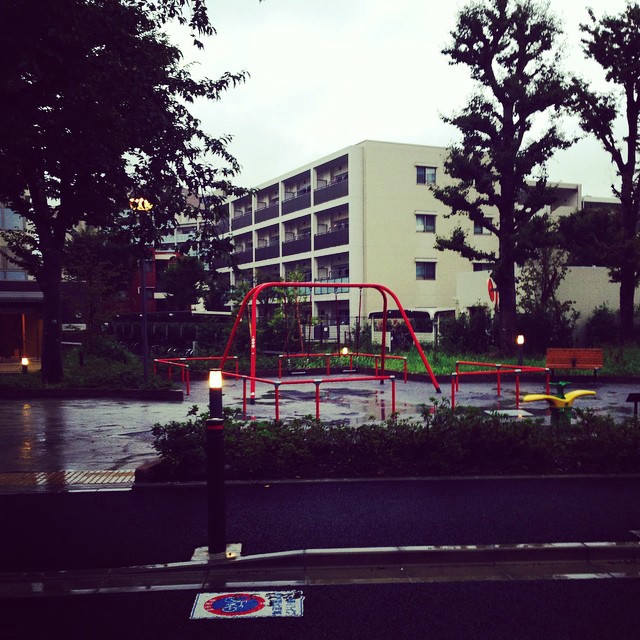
(560, 405)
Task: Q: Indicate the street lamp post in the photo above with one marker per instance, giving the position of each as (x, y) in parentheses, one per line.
(215, 468)
(143, 205)
(520, 345)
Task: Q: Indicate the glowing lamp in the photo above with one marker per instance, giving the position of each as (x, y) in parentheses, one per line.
(215, 379)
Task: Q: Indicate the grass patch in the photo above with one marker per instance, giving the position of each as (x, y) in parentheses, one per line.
(99, 363)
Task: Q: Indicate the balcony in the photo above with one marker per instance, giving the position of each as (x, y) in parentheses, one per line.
(337, 188)
(244, 220)
(244, 256)
(336, 235)
(222, 226)
(219, 263)
(300, 244)
(294, 201)
(268, 252)
(267, 213)
(325, 290)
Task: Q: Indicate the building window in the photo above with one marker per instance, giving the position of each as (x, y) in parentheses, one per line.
(425, 223)
(426, 175)
(9, 220)
(480, 230)
(425, 270)
(482, 266)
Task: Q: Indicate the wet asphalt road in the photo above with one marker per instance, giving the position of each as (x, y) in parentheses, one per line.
(146, 525)
(166, 524)
(549, 610)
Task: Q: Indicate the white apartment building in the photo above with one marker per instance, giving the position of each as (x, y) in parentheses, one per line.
(362, 214)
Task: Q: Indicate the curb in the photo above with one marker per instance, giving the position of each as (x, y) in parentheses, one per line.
(367, 565)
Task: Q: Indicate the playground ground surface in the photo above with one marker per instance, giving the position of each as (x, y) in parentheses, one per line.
(50, 434)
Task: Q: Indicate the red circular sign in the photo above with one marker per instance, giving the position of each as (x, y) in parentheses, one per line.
(493, 291)
(234, 604)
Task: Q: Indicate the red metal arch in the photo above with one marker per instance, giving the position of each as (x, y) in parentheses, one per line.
(252, 296)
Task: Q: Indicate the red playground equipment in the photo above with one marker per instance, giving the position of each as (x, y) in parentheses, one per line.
(251, 300)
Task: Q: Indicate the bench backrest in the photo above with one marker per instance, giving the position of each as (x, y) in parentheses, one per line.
(574, 358)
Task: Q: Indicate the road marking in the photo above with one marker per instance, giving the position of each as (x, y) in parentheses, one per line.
(259, 604)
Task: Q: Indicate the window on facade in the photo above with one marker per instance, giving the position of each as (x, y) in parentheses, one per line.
(10, 220)
(425, 270)
(426, 175)
(480, 230)
(425, 223)
(482, 266)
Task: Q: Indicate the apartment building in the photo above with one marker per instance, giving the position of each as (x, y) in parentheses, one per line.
(365, 213)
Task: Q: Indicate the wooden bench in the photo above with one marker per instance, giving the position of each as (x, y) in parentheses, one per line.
(575, 359)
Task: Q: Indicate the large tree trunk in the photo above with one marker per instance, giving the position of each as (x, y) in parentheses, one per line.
(627, 293)
(50, 283)
(629, 219)
(506, 283)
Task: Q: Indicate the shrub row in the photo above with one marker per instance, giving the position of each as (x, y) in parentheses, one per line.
(464, 441)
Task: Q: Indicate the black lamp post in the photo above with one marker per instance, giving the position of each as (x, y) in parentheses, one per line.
(215, 467)
(143, 205)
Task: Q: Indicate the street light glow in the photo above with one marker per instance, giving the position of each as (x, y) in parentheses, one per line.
(140, 204)
(520, 340)
(215, 379)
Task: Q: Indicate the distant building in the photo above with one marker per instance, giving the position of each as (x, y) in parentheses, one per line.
(362, 214)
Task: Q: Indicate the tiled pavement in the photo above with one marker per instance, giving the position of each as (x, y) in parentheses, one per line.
(16, 482)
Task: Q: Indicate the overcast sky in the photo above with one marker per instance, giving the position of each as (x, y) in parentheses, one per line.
(326, 74)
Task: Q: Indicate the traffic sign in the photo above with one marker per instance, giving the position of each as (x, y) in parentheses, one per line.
(493, 291)
(263, 604)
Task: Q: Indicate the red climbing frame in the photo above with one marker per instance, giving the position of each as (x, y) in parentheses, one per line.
(252, 297)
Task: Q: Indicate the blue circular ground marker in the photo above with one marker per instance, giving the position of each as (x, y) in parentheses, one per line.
(234, 604)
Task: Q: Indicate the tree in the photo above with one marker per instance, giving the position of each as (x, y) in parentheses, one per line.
(184, 281)
(593, 238)
(95, 111)
(102, 265)
(614, 43)
(510, 49)
(545, 320)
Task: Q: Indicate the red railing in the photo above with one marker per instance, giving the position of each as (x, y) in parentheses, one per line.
(181, 363)
(297, 381)
(329, 356)
(497, 369)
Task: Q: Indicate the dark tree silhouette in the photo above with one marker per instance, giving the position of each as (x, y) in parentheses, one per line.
(510, 48)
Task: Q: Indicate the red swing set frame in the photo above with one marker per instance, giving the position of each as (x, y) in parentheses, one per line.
(252, 298)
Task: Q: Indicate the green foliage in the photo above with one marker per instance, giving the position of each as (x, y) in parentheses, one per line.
(612, 118)
(510, 49)
(464, 441)
(101, 263)
(602, 326)
(183, 281)
(98, 89)
(468, 333)
(545, 321)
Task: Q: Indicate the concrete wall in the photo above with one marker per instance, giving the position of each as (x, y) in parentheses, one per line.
(587, 287)
(392, 245)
